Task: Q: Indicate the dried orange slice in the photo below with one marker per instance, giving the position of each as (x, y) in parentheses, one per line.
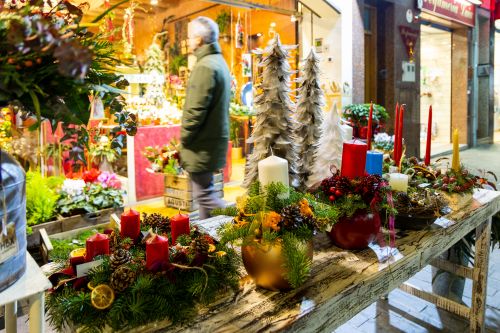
(90, 285)
(102, 297)
(79, 252)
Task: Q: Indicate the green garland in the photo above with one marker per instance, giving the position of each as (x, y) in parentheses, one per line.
(172, 292)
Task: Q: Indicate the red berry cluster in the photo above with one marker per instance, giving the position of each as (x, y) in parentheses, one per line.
(453, 181)
(337, 186)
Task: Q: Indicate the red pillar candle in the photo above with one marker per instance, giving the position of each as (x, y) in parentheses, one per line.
(96, 245)
(427, 159)
(156, 251)
(396, 134)
(130, 224)
(369, 134)
(180, 226)
(353, 159)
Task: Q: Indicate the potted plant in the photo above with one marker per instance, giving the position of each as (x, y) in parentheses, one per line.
(359, 202)
(357, 115)
(103, 154)
(234, 136)
(223, 20)
(274, 227)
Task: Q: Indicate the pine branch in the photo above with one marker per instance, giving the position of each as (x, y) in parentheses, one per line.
(297, 263)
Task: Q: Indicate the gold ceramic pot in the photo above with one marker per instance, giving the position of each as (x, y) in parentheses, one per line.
(264, 263)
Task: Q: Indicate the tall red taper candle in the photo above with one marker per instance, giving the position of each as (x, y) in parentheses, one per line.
(180, 226)
(369, 133)
(427, 159)
(400, 136)
(157, 251)
(396, 120)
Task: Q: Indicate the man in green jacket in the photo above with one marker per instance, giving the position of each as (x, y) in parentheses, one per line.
(205, 121)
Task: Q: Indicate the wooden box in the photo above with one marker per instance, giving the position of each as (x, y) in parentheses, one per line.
(63, 224)
(179, 192)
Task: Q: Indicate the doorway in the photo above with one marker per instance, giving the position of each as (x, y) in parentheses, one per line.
(496, 114)
(436, 87)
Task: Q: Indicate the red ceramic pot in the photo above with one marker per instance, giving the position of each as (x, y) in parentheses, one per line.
(357, 231)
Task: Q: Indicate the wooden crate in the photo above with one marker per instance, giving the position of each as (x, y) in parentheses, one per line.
(63, 224)
(179, 191)
(188, 205)
(188, 195)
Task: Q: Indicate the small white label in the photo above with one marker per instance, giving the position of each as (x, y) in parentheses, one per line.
(8, 243)
(83, 269)
(444, 222)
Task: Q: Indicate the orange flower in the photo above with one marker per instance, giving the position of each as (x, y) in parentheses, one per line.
(305, 209)
(271, 220)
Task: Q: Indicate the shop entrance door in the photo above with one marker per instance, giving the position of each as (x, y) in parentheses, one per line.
(435, 87)
(496, 75)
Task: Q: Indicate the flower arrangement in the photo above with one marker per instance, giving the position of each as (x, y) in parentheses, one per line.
(276, 220)
(164, 159)
(384, 142)
(348, 195)
(95, 191)
(102, 151)
(122, 293)
(357, 114)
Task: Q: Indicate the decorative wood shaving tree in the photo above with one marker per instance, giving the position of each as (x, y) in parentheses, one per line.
(328, 148)
(274, 126)
(309, 116)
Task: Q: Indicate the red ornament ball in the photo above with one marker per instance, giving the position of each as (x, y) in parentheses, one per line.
(338, 193)
(332, 198)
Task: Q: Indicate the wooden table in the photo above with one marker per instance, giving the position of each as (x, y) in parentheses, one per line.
(31, 285)
(343, 282)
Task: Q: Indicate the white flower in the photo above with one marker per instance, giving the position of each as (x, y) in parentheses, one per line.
(104, 140)
(73, 187)
(383, 137)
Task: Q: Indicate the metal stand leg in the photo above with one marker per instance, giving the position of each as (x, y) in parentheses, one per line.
(481, 259)
(11, 317)
(37, 314)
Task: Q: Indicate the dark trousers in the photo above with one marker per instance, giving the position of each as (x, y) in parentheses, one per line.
(204, 193)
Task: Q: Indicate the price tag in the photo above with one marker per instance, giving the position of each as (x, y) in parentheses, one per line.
(444, 222)
(8, 242)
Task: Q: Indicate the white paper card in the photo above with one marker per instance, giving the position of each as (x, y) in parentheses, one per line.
(444, 222)
(83, 269)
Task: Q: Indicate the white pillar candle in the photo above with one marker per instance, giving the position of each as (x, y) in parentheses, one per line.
(273, 170)
(398, 182)
(346, 132)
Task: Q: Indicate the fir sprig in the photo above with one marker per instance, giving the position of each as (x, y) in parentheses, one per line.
(297, 263)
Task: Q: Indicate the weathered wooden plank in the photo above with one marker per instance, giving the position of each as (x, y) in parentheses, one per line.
(439, 301)
(481, 258)
(342, 283)
(466, 272)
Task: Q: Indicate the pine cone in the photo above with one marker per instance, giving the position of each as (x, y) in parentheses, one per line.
(122, 278)
(292, 218)
(118, 258)
(201, 246)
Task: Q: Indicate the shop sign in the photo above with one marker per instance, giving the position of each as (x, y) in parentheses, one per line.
(409, 37)
(456, 10)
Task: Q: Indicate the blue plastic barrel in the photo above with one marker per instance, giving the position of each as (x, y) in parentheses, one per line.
(13, 187)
